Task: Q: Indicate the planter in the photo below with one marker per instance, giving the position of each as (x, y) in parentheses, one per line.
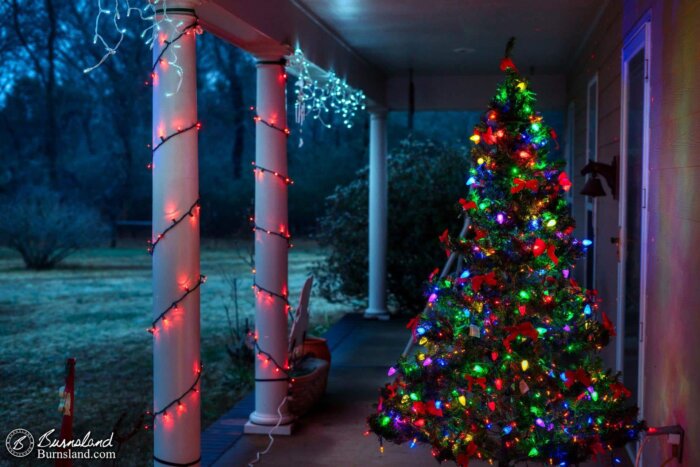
(307, 385)
(314, 347)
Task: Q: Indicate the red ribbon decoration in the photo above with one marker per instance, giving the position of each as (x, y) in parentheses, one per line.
(597, 447)
(489, 137)
(553, 134)
(540, 247)
(619, 389)
(471, 381)
(427, 407)
(579, 375)
(444, 236)
(607, 324)
(433, 274)
(463, 458)
(412, 325)
(488, 279)
(467, 205)
(523, 329)
(521, 184)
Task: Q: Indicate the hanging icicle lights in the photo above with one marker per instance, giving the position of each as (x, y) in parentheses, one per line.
(154, 13)
(323, 99)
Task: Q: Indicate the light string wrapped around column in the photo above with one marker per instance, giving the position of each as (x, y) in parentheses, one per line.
(283, 234)
(260, 289)
(261, 169)
(258, 119)
(163, 139)
(190, 213)
(163, 316)
(180, 406)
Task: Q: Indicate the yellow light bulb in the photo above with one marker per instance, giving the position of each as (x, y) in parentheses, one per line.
(522, 85)
(525, 365)
(462, 400)
(475, 138)
(480, 160)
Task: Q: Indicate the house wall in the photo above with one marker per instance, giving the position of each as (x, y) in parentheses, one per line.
(672, 368)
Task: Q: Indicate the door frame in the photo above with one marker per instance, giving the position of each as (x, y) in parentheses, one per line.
(638, 38)
(590, 203)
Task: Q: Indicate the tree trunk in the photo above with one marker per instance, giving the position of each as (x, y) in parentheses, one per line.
(50, 135)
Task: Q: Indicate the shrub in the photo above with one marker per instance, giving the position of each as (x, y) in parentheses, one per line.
(45, 229)
(425, 181)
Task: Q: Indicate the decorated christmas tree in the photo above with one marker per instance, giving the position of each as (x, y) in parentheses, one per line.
(507, 367)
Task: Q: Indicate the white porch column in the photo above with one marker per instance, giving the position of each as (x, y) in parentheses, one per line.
(176, 274)
(378, 194)
(271, 249)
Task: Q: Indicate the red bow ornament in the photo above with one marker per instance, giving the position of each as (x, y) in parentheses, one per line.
(428, 407)
(489, 137)
(607, 324)
(521, 184)
(467, 205)
(580, 375)
(507, 63)
(488, 279)
(412, 325)
(525, 329)
(479, 381)
(463, 458)
(540, 247)
(619, 389)
(564, 181)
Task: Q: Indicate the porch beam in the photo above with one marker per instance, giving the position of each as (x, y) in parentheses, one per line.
(175, 245)
(468, 92)
(271, 250)
(378, 200)
(266, 27)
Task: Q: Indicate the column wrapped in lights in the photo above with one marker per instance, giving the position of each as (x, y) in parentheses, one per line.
(272, 241)
(175, 241)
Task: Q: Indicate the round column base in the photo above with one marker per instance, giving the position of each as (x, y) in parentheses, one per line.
(375, 313)
(270, 420)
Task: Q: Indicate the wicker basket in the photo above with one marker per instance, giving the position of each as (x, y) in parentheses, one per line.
(308, 385)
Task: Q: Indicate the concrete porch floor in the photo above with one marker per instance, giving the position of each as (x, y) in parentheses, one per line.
(332, 434)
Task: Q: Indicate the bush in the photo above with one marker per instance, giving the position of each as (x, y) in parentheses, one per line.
(425, 181)
(45, 229)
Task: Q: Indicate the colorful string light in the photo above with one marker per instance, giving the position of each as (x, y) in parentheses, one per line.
(508, 368)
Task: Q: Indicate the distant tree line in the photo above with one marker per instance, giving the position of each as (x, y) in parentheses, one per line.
(80, 140)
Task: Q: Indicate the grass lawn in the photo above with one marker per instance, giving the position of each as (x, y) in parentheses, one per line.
(96, 307)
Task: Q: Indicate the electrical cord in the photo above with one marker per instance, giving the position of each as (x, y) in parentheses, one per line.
(259, 454)
(639, 451)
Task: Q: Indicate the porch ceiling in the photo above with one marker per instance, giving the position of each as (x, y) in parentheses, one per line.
(374, 43)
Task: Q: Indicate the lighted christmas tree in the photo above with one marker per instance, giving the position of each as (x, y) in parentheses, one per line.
(508, 365)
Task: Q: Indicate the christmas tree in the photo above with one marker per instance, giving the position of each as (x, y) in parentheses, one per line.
(508, 366)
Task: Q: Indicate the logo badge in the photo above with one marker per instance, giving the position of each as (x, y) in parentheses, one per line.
(19, 442)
